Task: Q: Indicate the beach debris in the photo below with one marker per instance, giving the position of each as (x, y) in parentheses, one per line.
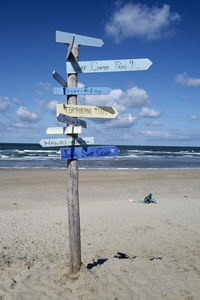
(155, 258)
(13, 283)
(121, 255)
(100, 261)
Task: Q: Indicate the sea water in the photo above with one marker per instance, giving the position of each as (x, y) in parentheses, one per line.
(130, 157)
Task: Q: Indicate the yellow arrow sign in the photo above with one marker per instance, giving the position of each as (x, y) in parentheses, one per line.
(85, 111)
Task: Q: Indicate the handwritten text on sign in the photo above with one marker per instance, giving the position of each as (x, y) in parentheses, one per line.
(108, 65)
(66, 142)
(87, 111)
(82, 91)
(87, 152)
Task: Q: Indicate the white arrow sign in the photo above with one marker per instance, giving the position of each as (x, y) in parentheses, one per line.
(117, 65)
(64, 130)
(66, 142)
(67, 38)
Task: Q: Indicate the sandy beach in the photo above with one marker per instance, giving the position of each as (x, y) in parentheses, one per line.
(130, 250)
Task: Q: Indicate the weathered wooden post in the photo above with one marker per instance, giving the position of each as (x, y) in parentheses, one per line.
(72, 185)
(70, 117)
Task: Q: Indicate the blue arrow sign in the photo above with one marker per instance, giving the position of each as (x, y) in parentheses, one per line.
(70, 120)
(59, 78)
(87, 152)
(82, 91)
(117, 65)
(66, 38)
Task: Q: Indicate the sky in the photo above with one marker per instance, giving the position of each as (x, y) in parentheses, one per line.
(158, 106)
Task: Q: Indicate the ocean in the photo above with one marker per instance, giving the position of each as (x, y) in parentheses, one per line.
(130, 157)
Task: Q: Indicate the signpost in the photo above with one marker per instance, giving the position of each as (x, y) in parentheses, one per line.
(72, 121)
(64, 130)
(66, 142)
(82, 91)
(87, 111)
(88, 152)
(68, 114)
(67, 38)
(117, 65)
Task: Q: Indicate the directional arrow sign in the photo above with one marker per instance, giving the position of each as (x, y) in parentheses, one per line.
(82, 91)
(117, 65)
(59, 78)
(75, 153)
(64, 130)
(85, 111)
(66, 142)
(70, 47)
(66, 38)
(72, 121)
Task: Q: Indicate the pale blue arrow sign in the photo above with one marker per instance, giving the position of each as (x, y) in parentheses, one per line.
(70, 47)
(70, 120)
(117, 65)
(59, 79)
(66, 38)
(88, 152)
(82, 91)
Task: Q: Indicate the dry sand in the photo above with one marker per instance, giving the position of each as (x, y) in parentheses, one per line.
(159, 243)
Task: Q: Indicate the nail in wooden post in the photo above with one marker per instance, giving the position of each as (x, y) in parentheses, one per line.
(72, 186)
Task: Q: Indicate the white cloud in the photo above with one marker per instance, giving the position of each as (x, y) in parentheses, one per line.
(17, 101)
(39, 93)
(155, 133)
(186, 99)
(52, 105)
(176, 137)
(137, 20)
(46, 86)
(184, 79)
(149, 113)
(26, 116)
(4, 104)
(123, 121)
(132, 98)
(154, 123)
(193, 117)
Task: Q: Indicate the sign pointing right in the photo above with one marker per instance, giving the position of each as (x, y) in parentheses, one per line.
(117, 65)
(67, 38)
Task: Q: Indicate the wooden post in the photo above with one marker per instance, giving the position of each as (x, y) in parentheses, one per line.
(72, 186)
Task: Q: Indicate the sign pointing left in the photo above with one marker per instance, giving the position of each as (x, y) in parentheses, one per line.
(59, 79)
(72, 121)
(66, 142)
(67, 38)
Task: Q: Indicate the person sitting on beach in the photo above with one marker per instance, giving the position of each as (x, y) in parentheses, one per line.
(149, 199)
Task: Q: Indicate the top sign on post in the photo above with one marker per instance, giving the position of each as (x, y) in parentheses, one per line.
(66, 38)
